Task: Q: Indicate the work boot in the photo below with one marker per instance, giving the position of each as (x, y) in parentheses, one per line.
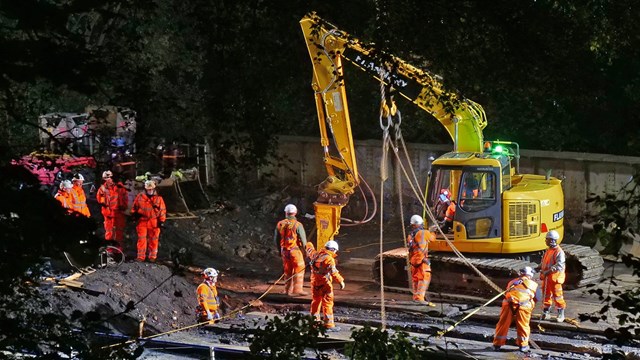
(560, 315)
(545, 314)
(525, 348)
(496, 347)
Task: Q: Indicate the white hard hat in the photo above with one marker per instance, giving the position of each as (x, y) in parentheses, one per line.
(417, 220)
(331, 245)
(527, 270)
(78, 177)
(66, 185)
(149, 184)
(290, 209)
(210, 272)
(107, 174)
(553, 235)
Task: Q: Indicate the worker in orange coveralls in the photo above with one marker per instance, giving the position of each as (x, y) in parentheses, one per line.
(151, 212)
(290, 237)
(447, 223)
(107, 197)
(208, 301)
(323, 273)
(120, 219)
(79, 203)
(418, 241)
(552, 274)
(519, 301)
(64, 195)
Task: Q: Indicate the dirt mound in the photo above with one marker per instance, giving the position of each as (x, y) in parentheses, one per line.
(119, 298)
(235, 237)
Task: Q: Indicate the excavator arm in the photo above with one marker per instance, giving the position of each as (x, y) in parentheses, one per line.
(328, 48)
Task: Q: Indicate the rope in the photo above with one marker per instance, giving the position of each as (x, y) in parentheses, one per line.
(404, 232)
(441, 333)
(370, 244)
(383, 177)
(200, 323)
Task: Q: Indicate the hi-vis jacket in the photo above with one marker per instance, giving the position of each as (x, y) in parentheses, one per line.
(65, 199)
(521, 292)
(107, 196)
(207, 298)
(323, 267)
(151, 209)
(290, 234)
(418, 241)
(553, 264)
(79, 203)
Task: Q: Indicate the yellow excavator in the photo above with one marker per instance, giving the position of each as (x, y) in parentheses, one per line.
(499, 217)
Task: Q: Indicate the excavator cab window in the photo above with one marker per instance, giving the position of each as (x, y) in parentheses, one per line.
(477, 191)
(442, 189)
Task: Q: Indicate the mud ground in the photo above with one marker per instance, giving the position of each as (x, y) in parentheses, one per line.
(236, 237)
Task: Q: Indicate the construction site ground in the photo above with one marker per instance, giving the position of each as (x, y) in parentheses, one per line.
(153, 303)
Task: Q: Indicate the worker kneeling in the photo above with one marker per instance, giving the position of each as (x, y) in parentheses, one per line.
(323, 273)
(208, 302)
(519, 301)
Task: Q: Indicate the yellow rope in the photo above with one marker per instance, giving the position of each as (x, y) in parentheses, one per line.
(201, 323)
(441, 333)
(371, 244)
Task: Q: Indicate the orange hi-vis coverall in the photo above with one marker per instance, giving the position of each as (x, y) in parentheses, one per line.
(519, 301)
(290, 236)
(79, 200)
(120, 220)
(207, 299)
(451, 212)
(107, 197)
(65, 200)
(152, 212)
(552, 275)
(323, 273)
(418, 241)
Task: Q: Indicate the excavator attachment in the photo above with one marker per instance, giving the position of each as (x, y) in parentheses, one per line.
(183, 194)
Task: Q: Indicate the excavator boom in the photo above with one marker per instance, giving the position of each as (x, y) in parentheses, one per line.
(328, 48)
(498, 213)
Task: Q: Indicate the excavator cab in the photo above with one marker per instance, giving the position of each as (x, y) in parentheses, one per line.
(475, 191)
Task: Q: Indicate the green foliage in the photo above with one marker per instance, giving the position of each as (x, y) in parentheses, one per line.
(617, 224)
(287, 338)
(370, 343)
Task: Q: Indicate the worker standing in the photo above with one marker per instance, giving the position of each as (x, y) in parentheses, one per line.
(79, 198)
(519, 301)
(323, 273)
(208, 301)
(151, 212)
(64, 195)
(418, 242)
(120, 220)
(552, 274)
(290, 237)
(107, 197)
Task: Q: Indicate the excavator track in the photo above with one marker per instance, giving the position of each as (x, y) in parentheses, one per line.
(451, 274)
